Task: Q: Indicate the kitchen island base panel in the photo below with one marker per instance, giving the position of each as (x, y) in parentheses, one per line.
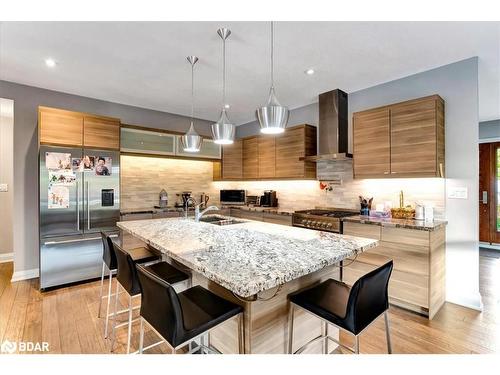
(265, 322)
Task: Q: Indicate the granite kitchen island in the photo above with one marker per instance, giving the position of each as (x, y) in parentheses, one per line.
(256, 265)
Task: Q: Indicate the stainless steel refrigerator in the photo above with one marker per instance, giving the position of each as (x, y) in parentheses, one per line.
(74, 211)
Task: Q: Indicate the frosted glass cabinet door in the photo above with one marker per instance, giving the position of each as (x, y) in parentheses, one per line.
(209, 150)
(147, 142)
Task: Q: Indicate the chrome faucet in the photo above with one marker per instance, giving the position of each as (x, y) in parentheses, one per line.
(186, 205)
(198, 214)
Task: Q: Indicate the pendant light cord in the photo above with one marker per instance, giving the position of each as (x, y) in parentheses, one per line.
(192, 92)
(223, 73)
(272, 55)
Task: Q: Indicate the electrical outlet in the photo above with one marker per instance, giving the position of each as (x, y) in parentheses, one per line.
(4, 188)
(457, 193)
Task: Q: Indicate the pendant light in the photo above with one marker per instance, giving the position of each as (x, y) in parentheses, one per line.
(272, 117)
(223, 131)
(191, 141)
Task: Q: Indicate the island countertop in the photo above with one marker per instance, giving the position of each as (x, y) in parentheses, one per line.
(249, 257)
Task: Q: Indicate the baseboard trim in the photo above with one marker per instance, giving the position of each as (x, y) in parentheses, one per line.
(7, 257)
(474, 302)
(25, 275)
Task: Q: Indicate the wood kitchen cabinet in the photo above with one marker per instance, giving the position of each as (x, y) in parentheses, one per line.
(101, 132)
(232, 161)
(60, 127)
(400, 140)
(417, 137)
(269, 157)
(417, 282)
(251, 158)
(69, 128)
(291, 149)
(372, 143)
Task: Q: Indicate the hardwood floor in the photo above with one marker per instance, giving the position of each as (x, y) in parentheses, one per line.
(67, 319)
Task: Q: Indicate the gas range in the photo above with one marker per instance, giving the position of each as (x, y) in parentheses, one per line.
(322, 219)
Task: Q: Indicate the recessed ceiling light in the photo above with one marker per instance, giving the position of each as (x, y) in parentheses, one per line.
(50, 62)
(227, 106)
(309, 72)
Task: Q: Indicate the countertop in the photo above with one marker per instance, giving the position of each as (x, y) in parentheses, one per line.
(270, 210)
(249, 257)
(397, 223)
(150, 210)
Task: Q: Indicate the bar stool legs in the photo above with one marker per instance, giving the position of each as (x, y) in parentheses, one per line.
(290, 328)
(356, 344)
(107, 306)
(387, 334)
(102, 287)
(129, 323)
(113, 334)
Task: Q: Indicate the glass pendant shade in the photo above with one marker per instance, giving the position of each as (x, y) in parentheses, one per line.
(272, 117)
(192, 141)
(223, 131)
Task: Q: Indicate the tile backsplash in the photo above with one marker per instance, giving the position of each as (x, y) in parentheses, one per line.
(144, 177)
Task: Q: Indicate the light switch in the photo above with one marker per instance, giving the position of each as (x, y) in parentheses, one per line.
(457, 193)
(4, 188)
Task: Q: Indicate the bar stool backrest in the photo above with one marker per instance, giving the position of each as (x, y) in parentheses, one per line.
(160, 305)
(368, 297)
(108, 253)
(126, 273)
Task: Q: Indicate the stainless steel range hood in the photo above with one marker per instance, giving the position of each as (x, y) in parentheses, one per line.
(333, 127)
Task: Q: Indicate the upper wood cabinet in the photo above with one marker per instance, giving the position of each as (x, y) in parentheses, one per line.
(371, 143)
(267, 156)
(232, 162)
(400, 140)
(101, 132)
(251, 158)
(60, 127)
(68, 128)
(272, 157)
(291, 149)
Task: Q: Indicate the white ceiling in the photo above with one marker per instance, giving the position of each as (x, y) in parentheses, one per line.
(144, 63)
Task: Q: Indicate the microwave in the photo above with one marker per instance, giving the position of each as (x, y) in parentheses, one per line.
(232, 197)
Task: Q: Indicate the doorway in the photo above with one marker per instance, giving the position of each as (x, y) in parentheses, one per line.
(489, 190)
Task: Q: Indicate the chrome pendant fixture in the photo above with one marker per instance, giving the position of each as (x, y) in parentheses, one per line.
(223, 131)
(272, 117)
(191, 141)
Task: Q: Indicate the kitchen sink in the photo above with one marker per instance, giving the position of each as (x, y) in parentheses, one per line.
(220, 220)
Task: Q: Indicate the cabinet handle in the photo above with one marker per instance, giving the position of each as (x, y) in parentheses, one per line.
(386, 172)
(394, 172)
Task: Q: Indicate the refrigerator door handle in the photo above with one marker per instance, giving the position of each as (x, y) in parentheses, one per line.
(77, 206)
(88, 205)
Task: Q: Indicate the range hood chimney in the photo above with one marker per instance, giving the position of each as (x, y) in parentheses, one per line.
(333, 127)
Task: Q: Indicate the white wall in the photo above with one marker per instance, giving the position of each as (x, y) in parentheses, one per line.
(6, 177)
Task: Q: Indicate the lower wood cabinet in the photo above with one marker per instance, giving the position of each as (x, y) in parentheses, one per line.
(418, 278)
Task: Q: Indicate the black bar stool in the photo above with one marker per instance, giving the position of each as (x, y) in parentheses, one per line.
(127, 279)
(181, 318)
(350, 309)
(139, 255)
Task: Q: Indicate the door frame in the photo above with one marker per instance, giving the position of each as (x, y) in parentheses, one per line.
(492, 188)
